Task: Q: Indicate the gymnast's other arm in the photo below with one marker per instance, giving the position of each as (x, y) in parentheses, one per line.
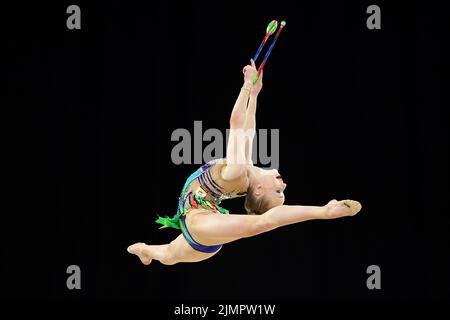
(250, 117)
(242, 127)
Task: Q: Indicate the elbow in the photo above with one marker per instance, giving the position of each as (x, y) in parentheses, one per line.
(236, 122)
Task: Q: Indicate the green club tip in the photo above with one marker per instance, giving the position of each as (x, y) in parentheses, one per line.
(272, 27)
(283, 23)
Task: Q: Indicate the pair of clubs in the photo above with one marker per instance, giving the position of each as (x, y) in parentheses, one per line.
(271, 28)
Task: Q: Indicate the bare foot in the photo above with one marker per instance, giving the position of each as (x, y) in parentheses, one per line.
(141, 251)
(337, 209)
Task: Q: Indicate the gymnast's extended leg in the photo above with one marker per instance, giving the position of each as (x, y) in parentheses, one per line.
(214, 229)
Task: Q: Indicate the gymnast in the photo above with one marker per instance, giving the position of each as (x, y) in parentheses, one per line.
(204, 225)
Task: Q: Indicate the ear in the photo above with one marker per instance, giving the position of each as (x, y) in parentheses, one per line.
(258, 191)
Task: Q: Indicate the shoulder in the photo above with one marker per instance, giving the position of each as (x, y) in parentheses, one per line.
(232, 172)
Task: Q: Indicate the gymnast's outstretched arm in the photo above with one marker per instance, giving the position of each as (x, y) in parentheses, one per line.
(236, 151)
(250, 117)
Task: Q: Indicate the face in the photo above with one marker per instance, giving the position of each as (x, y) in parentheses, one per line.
(269, 184)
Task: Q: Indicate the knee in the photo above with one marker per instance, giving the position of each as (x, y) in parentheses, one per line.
(168, 262)
(262, 224)
(168, 256)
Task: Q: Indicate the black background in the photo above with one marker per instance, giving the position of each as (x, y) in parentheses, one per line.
(89, 115)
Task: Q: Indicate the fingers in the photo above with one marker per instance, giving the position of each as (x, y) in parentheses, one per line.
(252, 65)
(246, 68)
(249, 71)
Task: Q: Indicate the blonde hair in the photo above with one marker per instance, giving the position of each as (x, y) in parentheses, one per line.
(254, 204)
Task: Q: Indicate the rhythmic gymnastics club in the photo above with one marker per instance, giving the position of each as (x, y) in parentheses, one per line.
(282, 24)
(271, 28)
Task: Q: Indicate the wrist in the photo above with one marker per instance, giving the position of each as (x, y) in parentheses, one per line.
(247, 86)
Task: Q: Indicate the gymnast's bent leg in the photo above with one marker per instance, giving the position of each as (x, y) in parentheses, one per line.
(174, 252)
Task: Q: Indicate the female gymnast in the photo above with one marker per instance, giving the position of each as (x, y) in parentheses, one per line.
(205, 226)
